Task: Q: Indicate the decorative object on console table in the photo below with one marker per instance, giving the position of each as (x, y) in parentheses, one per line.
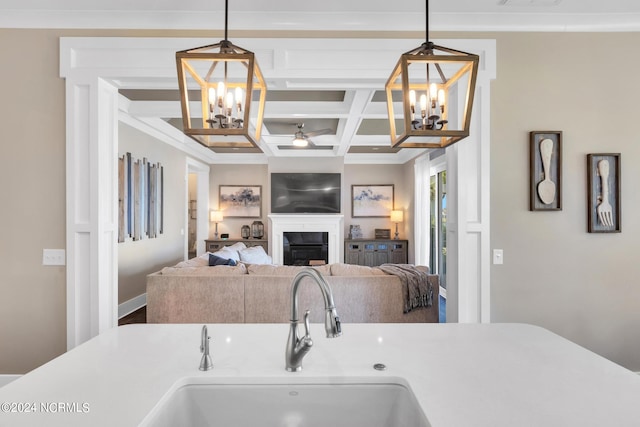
(216, 245)
(241, 201)
(371, 201)
(375, 252)
(397, 217)
(245, 231)
(216, 217)
(382, 233)
(545, 181)
(355, 232)
(603, 193)
(257, 229)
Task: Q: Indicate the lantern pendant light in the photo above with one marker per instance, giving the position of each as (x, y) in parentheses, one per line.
(222, 94)
(436, 109)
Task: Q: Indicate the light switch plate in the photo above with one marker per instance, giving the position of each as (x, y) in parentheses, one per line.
(53, 257)
(498, 256)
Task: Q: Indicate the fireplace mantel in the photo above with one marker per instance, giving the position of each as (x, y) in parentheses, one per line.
(284, 223)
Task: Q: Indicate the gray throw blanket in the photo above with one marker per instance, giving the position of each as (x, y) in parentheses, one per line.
(416, 287)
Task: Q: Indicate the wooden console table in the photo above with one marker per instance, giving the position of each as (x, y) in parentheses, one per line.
(216, 245)
(376, 252)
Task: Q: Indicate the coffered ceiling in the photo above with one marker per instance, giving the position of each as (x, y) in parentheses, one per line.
(351, 116)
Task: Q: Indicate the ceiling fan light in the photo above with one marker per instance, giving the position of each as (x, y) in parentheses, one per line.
(300, 142)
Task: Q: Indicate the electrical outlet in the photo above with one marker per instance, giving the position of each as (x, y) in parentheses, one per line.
(498, 256)
(53, 257)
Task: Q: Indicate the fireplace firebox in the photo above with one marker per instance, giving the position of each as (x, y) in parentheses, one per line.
(305, 248)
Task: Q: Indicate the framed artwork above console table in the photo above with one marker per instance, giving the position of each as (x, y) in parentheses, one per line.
(216, 245)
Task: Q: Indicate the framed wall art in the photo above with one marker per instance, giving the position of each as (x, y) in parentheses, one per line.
(603, 193)
(241, 201)
(545, 182)
(140, 198)
(372, 201)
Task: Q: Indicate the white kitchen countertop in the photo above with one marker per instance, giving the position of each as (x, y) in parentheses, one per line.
(462, 374)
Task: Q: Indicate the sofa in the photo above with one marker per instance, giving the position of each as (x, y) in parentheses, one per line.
(194, 292)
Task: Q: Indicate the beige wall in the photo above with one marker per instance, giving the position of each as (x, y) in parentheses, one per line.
(237, 175)
(139, 258)
(582, 286)
(352, 174)
(375, 175)
(32, 191)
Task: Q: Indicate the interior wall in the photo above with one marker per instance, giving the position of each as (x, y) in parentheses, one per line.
(556, 275)
(138, 258)
(376, 175)
(581, 285)
(32, 175)
(249, 175)
(352, 174)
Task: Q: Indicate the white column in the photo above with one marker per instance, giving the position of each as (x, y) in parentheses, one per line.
(92, 195)
(468, 227)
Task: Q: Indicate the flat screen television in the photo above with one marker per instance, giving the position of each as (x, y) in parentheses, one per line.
(305, 192)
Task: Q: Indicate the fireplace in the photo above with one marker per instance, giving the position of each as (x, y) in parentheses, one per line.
(305, 248)
(329, 225)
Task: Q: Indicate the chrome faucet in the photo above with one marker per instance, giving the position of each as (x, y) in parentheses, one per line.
(205, 363)
(298, 347)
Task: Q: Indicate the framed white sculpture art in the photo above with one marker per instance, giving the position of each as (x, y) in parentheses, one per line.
(545, 186)
(603, 193)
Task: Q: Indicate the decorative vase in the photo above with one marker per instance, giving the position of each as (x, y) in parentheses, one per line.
(257, 229)
(245, 231)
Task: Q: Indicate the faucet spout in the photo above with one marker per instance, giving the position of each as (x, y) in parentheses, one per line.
(298, 347)
(205, 363)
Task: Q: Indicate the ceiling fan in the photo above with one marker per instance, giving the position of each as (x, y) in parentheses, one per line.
(302, 140)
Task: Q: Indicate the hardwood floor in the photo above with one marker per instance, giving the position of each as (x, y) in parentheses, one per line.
(138, 316)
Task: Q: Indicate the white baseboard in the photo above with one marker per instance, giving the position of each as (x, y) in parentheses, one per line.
(132, 305)
(6, 379)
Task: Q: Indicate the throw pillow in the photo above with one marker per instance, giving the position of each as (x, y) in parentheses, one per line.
(216, 260)
(227, 253)
(255, 255)
(237, 246)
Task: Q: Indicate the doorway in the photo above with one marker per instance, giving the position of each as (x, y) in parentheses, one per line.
(438, 229)
(192, 214)
(197, 203)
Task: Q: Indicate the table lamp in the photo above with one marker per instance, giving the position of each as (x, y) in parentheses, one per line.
(216, 216)
(397, 217)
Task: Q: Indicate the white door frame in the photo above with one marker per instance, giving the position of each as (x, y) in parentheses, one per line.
(96, 67)
(202, 207)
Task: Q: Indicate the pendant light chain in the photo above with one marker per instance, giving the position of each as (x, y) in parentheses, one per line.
(226, 19)
(426, 20)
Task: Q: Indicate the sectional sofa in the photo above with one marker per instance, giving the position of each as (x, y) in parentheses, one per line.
(194, 292)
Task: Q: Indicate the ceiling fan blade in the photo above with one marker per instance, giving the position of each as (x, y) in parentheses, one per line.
(309, 147)
(319, 132)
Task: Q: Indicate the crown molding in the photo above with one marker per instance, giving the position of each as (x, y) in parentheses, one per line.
(321, 21)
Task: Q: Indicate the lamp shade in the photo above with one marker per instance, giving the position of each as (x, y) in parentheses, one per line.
(397, 216)
(216, 216)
